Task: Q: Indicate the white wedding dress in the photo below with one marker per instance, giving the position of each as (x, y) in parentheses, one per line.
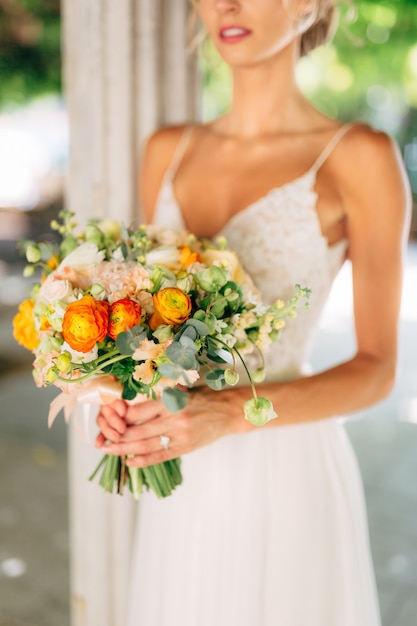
(268, 528)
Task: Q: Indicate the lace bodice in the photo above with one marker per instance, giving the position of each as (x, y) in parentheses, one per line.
(279, 242)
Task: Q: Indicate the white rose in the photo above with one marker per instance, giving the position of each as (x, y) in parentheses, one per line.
(55, 289)
(84, 256)
(167, 256)
(165, 236)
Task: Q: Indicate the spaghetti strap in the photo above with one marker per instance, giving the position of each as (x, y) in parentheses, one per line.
(330, 147)
(179, 152)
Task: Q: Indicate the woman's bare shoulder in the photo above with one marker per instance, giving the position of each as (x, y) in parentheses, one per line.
(372, 177)
(366, 148)
(157, 156)
(162, 143)
(368, 160)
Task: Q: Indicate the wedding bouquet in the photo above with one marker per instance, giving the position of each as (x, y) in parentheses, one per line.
(136, 313)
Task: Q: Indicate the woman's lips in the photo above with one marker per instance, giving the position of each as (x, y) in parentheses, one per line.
(233, 34)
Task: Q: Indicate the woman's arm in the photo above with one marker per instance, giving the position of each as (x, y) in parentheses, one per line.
(376, 204)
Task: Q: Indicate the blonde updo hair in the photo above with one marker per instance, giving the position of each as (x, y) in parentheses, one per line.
(323, 27)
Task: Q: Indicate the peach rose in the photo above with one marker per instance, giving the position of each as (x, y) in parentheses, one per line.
(172, 306)
(123, 314)
(24, 330)
(85, 323)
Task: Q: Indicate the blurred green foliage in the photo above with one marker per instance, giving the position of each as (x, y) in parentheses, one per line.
(30, 54)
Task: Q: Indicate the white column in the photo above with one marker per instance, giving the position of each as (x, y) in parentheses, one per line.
(126, 72)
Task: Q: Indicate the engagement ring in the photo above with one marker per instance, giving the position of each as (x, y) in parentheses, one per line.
(164, 441)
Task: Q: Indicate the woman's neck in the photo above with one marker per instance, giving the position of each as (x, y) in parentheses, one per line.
(266, 99)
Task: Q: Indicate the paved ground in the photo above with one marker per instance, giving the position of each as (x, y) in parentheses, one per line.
(33, 477)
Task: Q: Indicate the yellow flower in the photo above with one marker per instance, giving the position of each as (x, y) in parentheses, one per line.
(187, 257)
(227, 259)
(52, 263)
(85, 323)
(172, 307)
(24, 330)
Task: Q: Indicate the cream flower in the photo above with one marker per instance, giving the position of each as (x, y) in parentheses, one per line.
(166, 236)
(84, 256)
(144, 372)
(149, 350)
(55, 288)
(167, 256)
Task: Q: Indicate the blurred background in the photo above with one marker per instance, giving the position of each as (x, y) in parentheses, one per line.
(368, 73)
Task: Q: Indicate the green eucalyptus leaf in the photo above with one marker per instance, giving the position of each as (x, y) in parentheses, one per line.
(183, 356)
(187, 331)
(200, 325)
(215, 379)
(224, 355)
(129, 340)
(174, 399)
(187, 342)
(170, 370)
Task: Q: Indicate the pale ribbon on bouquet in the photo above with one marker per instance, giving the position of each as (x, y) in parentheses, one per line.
(98, 391)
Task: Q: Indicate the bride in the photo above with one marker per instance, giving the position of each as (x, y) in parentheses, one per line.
(269, 526)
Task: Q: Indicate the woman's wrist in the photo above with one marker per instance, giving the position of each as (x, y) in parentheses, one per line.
(235, 400)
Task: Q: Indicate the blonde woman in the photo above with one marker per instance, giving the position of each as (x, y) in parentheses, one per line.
(269, 527)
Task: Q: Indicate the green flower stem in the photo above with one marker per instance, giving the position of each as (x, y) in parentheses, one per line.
(111, 361)
(97, 371)
(109, 355)
(248, 374)
(99, 466)
(136, 481)
(122, 475)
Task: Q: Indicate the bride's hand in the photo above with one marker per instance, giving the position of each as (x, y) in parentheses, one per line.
(137, 429)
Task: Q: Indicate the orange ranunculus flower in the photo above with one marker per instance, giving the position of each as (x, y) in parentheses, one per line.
(172, 306)
(124, 314)
(85, 323)
(24, 330)
(187, 257)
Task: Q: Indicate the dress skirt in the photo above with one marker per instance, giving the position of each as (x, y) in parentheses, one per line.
(268, 529)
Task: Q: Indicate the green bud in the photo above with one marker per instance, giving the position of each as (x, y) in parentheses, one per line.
(185, 283)
(221, 242)
(28, 271)
(212, 279)
(33, 253)
(68, 245)
(231, 295)
(56, 323)
(231, 376)
(63, 362)
(94, 235)
(110, 228)
(259, 411)
(96, 289)
(258, 376)
(51, 376)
